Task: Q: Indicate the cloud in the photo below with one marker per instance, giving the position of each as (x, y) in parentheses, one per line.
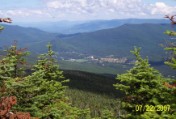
(162, 8)
(96, 8)
(102, 9)
(92, 9)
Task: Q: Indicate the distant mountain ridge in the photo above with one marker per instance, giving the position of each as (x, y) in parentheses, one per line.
(70, 27)
(106, 24)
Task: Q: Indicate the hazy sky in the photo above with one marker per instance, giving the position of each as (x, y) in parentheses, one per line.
(46, 10)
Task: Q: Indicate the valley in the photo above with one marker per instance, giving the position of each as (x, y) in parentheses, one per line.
(101, 51)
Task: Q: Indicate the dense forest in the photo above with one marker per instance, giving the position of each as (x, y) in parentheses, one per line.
(44, 91)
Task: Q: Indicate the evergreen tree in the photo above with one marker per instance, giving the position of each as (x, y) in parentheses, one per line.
(48, 64)
(171, 48)
(42, 93)
(143, 85)
(13, 63)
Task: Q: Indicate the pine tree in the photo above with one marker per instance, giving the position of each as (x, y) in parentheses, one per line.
(13, 64)
(9, 68)
(42, 93)
(143, 85)
(171, 48)
(48, 64)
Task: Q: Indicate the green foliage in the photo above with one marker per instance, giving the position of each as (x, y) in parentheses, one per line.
(47, 63)
(1, 27)
(100, 105)
(42, 93)
(42, 98)
(143, 85)
(172, 61)
(172, 49)
(170, 33)
(107, 115)
(12, 64)
(155, 115)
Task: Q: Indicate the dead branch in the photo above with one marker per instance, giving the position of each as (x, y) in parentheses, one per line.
(7, 20)
(171, 18)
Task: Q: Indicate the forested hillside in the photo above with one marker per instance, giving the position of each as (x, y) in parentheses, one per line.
(118, 41)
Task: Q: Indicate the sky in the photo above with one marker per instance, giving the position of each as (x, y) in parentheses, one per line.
(73, 10)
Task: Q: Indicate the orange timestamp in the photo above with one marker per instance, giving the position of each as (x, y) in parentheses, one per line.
(150, 108)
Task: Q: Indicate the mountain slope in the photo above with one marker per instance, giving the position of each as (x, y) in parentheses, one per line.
(24, 36)
(119, 41)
